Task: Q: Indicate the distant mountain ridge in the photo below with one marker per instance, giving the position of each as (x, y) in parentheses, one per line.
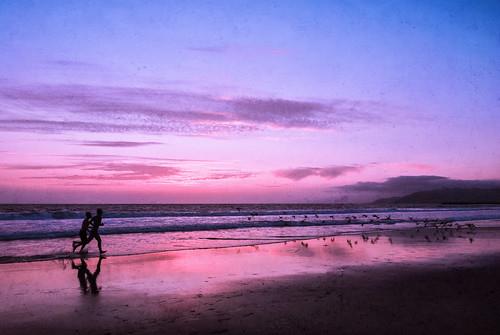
(447, 196)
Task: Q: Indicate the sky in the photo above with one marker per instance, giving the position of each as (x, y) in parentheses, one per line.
(246, 101)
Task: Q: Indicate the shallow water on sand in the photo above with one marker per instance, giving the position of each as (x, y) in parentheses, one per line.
(48, 232)
(191, 271)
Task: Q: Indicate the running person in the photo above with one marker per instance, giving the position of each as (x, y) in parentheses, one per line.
(94, 231)
(83, 231)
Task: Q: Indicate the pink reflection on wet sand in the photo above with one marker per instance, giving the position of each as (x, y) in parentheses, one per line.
(211, 270)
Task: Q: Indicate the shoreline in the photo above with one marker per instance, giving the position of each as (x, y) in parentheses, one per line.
(370, 229)
(397, 283)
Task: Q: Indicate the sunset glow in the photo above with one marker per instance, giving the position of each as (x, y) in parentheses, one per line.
(187, 102)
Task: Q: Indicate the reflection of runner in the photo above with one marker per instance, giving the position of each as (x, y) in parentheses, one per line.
(94, 231)
(87, 278)
(92, 277)
(82, 270)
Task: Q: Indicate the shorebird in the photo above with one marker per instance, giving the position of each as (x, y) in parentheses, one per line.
(349, 242)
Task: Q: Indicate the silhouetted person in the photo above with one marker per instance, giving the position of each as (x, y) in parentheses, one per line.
(82, 271)
(83, 231)
(92, 277)
(94, 231)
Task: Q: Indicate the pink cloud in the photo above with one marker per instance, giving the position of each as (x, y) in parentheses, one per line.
(116, 144)
(122, 171)
(62, 108)
(304, 172)
(226, 175)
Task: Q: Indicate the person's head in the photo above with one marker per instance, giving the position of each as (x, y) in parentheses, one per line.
(88, 215)
(99, 212)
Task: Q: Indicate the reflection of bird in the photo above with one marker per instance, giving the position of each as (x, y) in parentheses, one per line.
(349, 242)
(390, 240)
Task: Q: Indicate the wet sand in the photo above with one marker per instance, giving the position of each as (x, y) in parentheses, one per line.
(394, 283)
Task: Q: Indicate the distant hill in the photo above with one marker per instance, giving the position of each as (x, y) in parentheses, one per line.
(447, 196)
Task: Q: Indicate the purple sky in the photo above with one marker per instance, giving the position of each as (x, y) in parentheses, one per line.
(246, 101)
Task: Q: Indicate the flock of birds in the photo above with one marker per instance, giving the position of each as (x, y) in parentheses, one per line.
(432, 230)
(362, 219)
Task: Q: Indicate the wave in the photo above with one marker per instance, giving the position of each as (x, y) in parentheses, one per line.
(137, 211)
(118, 230)
(115, 229)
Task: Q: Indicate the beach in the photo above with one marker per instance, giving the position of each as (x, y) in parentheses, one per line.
(392, 282)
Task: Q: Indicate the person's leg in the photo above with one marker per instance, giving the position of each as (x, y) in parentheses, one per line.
(87, 241)
(76, 244)
(99, 242)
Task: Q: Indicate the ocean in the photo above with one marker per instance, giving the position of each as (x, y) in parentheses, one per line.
(41, 232)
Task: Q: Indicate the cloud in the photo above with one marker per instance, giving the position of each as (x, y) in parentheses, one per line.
(116, 144)
(226, 175)
(403, 185)
(120, 171)
(40, 167)
(73, 64)
(100, 157)
(304, 172)
(106, 109)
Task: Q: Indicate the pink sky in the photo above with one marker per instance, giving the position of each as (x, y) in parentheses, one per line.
(105, 104)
